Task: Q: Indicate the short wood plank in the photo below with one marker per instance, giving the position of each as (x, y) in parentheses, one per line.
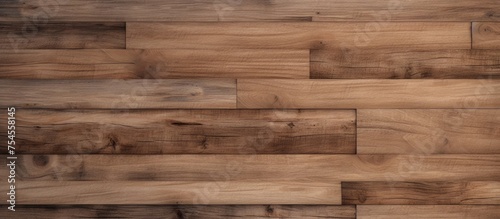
(183, 211)
(153, 64)
(433, 131)
(421, 193)
(486, 35)
(119, 94)
(183, 131)
(417, 94)
(298, 35)
(427, 211)
(74, 35)
(404, 64)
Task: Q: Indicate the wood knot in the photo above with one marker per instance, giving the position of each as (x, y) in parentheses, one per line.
(269, 209)
(291, 125)
(40, 160)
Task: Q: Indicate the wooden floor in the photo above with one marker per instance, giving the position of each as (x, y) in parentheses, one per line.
(367, 109)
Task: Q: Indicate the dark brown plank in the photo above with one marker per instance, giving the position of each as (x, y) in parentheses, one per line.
(183, 131)
(407, 64)
(427, 211)
(420, 193)
(486, 35)
(76, 35)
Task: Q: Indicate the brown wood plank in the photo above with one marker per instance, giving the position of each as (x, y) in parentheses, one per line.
(267, 168)
(76, 35)
(157, 64)
(401, 63)
(427, 211)
(209, 10)
(421, 193)
(122, 94)
(183, 211)
(446, 93)
(176, 192)
(298, 35)
(183, 131)
(434, 131)
(486, 35)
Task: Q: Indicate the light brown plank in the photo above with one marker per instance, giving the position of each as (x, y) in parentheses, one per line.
(421, 193)
(368, 93)
(153, 64)
(183, 131)
(119, 94)
(486, 35)
(401, 63)
(427, 211)
(183, 211)
(75, 35)
(266, 168)
(221, 10)
(176, 192)
(298, 35)
(435, 131)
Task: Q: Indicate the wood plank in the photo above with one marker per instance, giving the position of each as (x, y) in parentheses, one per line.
(427, 211)
(447, 93)
(76, 35)
(434, 131)
(403, 63)
(176, 192)
(209, 10)
(267, 168)
(183, 211)
(421, 193)
(298, 35)
(157, 64)
(119, 94)
(183, 132)
(486, 35)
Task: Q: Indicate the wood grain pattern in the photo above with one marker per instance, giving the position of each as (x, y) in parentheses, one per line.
(265, 168)
(183, 131)
(420, 193)
(403, 63)
(209, 10)
(298, 35)
(434, 131)
(119, 94)
(368, 93)
(486, 35)
(427, 211)
(153, 64)
(27, 35)
(183, 211)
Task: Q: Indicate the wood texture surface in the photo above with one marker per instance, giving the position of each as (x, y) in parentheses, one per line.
(404, 64)
(486, 35)
(119, 94)
(298, 35)
(153, 64)
(427, 211)
(421, 193)
(184, 131)
(28, 35)
(434, 131)
(368, 93)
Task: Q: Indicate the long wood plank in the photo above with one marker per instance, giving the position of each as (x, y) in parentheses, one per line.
(403, 63)
(176, 192)
(183, 211)
(119, 94)
(267, 168)
(183, 131)
(298, 35)
(434, 131)
(427, 211)
(413, 93)
(221, 10)
(156, 64)
(19, 35)
(486, 35)
(421, 193)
